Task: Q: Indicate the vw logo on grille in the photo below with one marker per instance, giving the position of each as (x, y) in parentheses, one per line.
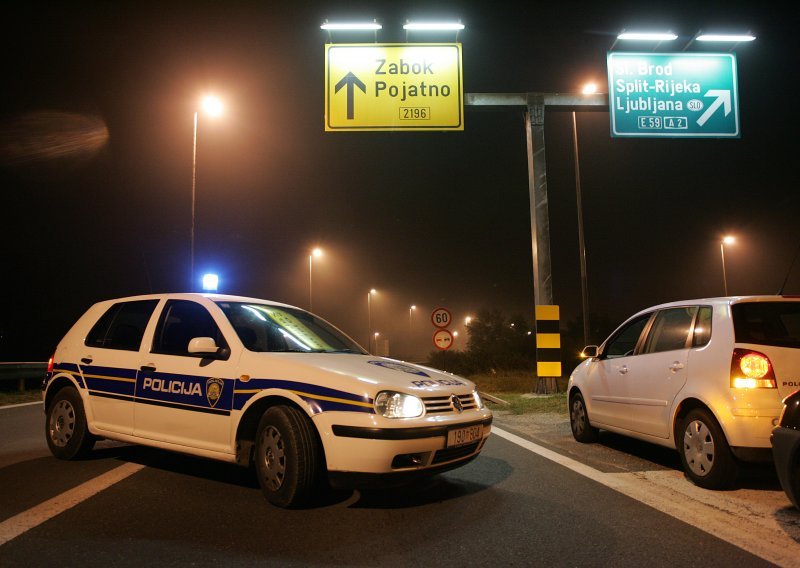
(456, 404)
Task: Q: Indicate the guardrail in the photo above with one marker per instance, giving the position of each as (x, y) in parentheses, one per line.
(22, 372)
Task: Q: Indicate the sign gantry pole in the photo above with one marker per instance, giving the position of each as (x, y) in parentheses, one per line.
(535, 105)
(537, 188)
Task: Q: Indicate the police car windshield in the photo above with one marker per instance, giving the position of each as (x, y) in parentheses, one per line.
(268, 328)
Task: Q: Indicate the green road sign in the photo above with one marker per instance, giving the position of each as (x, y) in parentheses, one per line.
(673, 95)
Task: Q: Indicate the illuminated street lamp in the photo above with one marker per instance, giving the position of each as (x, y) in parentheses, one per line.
(467, 320)
(316, 252)
(411, 310)
(213, 107)
(588, 89)
(369, 317)
(727, 240)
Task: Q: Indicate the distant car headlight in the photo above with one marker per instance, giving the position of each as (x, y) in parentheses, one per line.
(392, 404)
(478, 400)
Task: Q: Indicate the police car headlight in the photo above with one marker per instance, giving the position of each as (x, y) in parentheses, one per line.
(392, 404)
(478, 400)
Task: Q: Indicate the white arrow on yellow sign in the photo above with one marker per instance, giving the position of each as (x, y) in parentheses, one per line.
(376, 86)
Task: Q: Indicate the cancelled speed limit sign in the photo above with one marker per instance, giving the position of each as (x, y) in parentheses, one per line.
(441, 317)
(443, 339)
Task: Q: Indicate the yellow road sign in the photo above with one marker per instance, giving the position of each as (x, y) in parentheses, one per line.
(375, 86)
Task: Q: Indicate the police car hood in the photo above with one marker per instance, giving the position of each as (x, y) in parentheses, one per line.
(359, 373)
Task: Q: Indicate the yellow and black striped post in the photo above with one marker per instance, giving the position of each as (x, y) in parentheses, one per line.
(548, 342)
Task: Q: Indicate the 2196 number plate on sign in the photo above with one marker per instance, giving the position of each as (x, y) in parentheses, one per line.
(463, 436)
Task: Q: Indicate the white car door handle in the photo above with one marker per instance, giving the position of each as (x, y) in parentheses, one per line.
(623, 369)
(676, 366)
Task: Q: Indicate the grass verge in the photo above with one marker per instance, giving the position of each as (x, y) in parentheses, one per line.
(17, 397)
(517, 388)
(542, 403)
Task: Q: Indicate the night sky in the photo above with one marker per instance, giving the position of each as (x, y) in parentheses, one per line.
(96, 130)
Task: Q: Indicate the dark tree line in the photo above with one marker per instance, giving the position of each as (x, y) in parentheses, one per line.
(497, 342)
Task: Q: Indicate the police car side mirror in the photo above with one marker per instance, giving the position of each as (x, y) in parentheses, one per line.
(207, 347)
(203, 345)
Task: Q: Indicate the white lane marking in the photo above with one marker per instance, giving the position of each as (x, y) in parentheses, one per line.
(748, 526)
(5, 406)
(25, 521)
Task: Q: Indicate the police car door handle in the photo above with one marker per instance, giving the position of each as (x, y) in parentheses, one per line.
(86, 360)
(676, 366)
(148, 368)
(623, 369)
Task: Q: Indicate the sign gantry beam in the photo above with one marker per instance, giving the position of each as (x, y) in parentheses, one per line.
(556, 101)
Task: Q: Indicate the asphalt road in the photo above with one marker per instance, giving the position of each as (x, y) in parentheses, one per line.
(511, 506)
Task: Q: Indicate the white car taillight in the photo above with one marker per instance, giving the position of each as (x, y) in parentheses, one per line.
(751, 370)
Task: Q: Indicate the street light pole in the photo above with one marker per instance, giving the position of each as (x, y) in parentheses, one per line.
(581, 242)
(725, 241)
(194, 185)
(369, 319)
(315, 252)
(213, 107)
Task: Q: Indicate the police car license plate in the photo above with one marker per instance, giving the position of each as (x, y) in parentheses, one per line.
(463, 436)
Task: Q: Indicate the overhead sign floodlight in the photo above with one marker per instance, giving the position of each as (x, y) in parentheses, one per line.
(434, 26)
(725, 38)
(352, 26)
(647, 36)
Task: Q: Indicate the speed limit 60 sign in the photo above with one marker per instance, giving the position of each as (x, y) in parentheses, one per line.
(441, 317)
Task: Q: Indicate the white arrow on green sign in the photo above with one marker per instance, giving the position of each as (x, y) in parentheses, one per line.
(673, 95)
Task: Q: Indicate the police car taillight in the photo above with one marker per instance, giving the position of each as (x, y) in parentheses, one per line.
(751, 370)
(50, 364)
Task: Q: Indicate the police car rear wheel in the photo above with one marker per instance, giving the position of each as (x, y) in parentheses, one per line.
(67, 435)
(287, 456)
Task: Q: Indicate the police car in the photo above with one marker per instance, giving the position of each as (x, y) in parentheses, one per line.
(249, 381)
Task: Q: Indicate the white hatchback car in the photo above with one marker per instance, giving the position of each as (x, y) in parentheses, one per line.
(703, 376)
(244, 380)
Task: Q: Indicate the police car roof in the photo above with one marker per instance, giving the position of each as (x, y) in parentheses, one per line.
(196, 296)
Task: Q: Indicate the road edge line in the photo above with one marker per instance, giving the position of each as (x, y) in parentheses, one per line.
(756, 539)
(6, 406)
(23, 522)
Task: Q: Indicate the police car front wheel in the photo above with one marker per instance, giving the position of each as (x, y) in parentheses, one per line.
(66, 431)
(287, 456)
